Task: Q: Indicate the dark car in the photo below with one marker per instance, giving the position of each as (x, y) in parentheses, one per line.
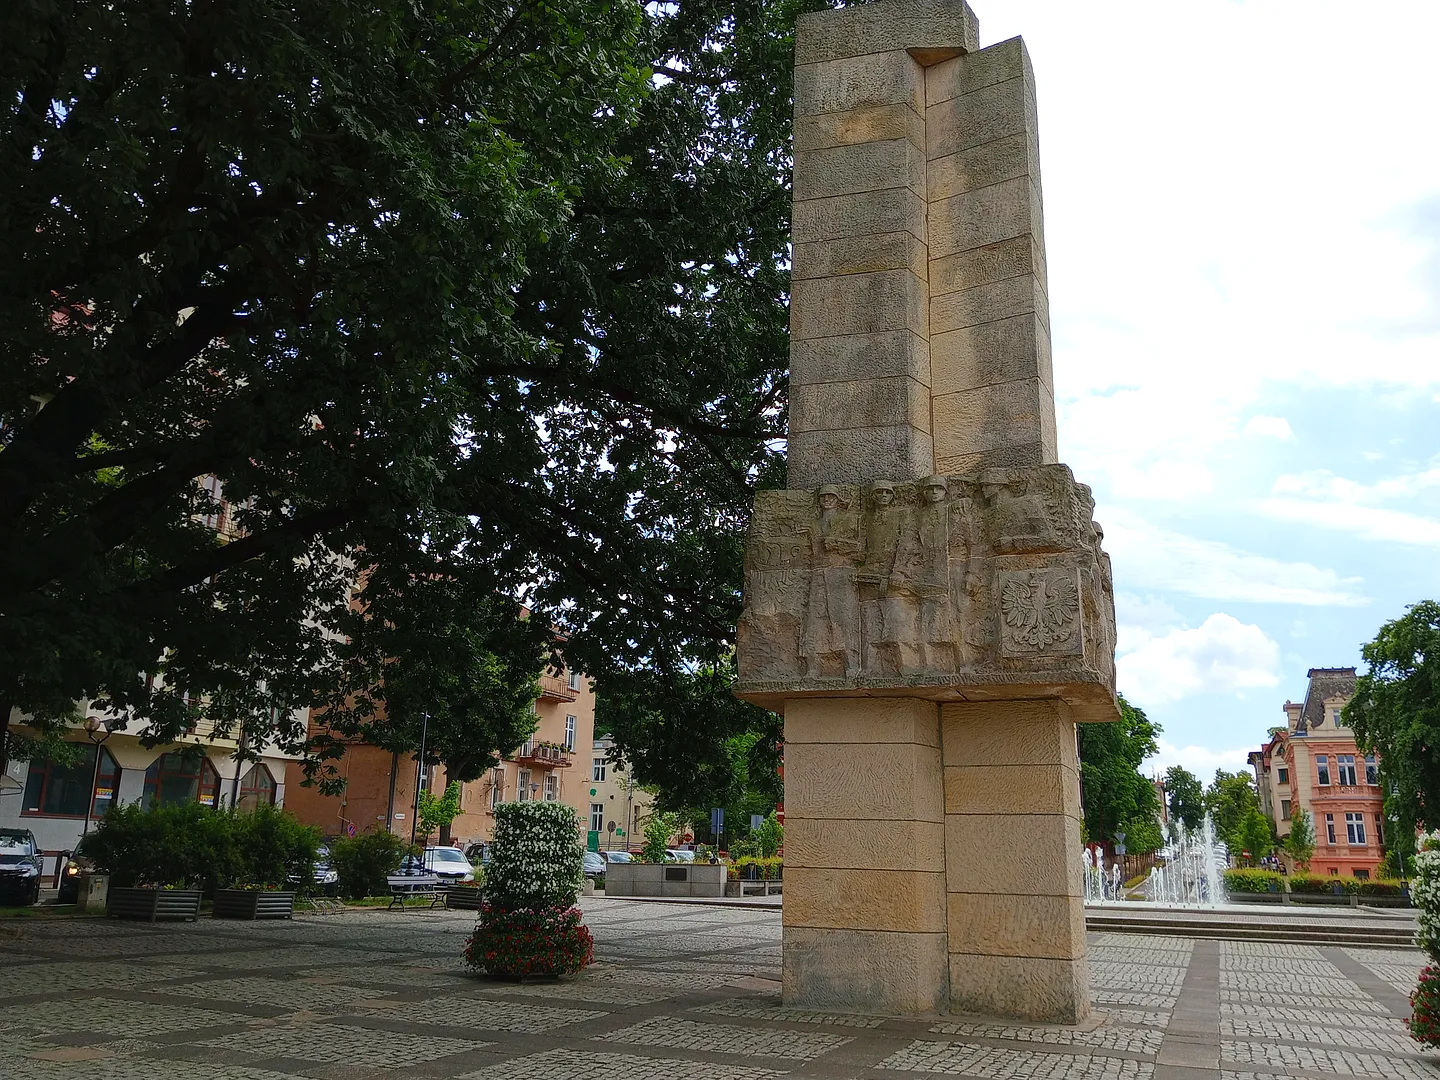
(20, 867)
(76, 865)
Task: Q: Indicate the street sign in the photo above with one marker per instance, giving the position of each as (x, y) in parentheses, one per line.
(717, 820)
(756, 820)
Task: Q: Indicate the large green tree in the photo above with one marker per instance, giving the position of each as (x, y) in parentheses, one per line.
(1186, 796)
(1116, 795)
(1229, 800)
(1395, 714)
(472, 288)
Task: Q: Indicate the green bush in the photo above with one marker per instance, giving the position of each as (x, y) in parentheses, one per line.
(536, 860)
(189, 845)
(273, 850)
(1252, 881)
(1315, 885)
(768, 869)
(1379, 887)
(658, 830)
(362, 863)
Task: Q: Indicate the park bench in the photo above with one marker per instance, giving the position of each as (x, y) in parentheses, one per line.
(762, 886)
(415, 886)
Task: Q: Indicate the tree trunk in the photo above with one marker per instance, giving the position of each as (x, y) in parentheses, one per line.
(5, 707)
(445, 834)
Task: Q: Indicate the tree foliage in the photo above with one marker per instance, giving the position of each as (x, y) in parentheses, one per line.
(1229, 800)
(1116, 796)
(1185, 795)
(1395, 714)
(433, 287)
(1300, 840)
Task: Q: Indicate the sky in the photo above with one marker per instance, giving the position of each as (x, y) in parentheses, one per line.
(1242, 216)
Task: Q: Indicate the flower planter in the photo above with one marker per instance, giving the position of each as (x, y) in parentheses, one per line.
(253, 904)
(152, 904)
(466, 897)
(665, 879)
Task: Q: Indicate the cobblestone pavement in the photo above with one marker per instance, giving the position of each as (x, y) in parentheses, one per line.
(677, 993)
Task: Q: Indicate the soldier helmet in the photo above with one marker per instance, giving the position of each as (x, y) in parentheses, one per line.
(935, 482)
(829, 489)
(882, 485)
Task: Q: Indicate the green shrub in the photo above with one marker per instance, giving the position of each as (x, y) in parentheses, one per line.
(273, 850)
(1315, 885)
(769, 836)
(536, 858)
(362, 863)
(1424, 1019)
(1379, 887)
(658, 830)
(170, 845)
(1253, 881)
(767, 869)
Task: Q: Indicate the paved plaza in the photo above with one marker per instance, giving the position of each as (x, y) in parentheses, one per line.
(679, 992)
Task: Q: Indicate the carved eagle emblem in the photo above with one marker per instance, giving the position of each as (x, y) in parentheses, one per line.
(1039, 611)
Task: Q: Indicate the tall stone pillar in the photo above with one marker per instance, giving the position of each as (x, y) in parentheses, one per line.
(927, 603)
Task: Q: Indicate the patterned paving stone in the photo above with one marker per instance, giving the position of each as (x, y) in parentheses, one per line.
(775, 1011)
(1332, 987)
(674, 1033)
(1131, 1040)
(588, 1065)
(281, 992)
(1299, 999)
(340, 1042)
(1366, 1039)
(106, 975)
(1320, 1059)
(992, 1063)
(1268, 948)
(1136, 1017)
(487, 1015)
(1284, 965)
(1155, 943)
(1141, 999)
(1110, 954)
(113, 1017)
(1136, 976)
(1285, 1014)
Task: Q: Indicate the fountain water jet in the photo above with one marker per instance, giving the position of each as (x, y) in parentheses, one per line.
(1191, 874)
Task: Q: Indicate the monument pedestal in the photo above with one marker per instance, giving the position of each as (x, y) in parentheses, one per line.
(864, 912)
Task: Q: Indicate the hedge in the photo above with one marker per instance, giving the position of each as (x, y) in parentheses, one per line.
(1253, 881)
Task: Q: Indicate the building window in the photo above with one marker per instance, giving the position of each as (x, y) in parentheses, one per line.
(59, 790)
(1362, 875)
(1330, 828)
(1322, 764)
(1380, 829)
(1284, 809)
(552, 787)
(497, 787)
(257, 788)
(1355, 829)
(1335, 717)
(1345, 766)
(569, 732)
(179, 777)
(522, 785)
(1372, 771)
(527, 748)
(572, 680)
(597, 817)
(1284, 776)
(597, 770)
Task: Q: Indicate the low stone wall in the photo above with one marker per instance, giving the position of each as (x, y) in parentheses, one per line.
(664, 879)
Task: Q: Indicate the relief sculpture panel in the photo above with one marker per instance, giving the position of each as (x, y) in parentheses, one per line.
(994, 580)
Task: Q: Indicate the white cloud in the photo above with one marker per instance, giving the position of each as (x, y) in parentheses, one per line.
(1200, 760)
(1149, 557)
(1221, 655)
(1270, 427)
(1322, 499)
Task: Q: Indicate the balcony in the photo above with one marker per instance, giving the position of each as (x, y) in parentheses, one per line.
(556, 688)
(544, 756)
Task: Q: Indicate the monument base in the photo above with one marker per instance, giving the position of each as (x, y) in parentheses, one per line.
(932, 858)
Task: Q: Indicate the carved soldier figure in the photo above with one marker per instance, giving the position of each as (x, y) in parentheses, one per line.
(936, 630)
(883, 613)
(832, 617)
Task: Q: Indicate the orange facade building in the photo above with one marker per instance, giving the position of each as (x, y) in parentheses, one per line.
(554, 765)
(1313, 763)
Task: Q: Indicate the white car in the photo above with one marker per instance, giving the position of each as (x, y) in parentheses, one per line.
(594, 863)
(679, 855)
(447, 863)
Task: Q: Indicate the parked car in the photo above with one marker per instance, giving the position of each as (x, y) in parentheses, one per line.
(327, 878)
(617, 856)
(679, 855)
(478, 854)
(447, 863)
(594, 863)
(76, 865)
(20, 867)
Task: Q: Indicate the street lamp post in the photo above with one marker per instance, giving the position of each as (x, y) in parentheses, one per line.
(93, 726)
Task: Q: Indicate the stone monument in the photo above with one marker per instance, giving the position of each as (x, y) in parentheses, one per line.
(928, 603)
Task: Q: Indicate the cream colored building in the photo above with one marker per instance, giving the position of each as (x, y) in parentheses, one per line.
(618, 808)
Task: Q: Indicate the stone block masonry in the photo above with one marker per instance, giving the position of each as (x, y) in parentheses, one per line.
(928, 603)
